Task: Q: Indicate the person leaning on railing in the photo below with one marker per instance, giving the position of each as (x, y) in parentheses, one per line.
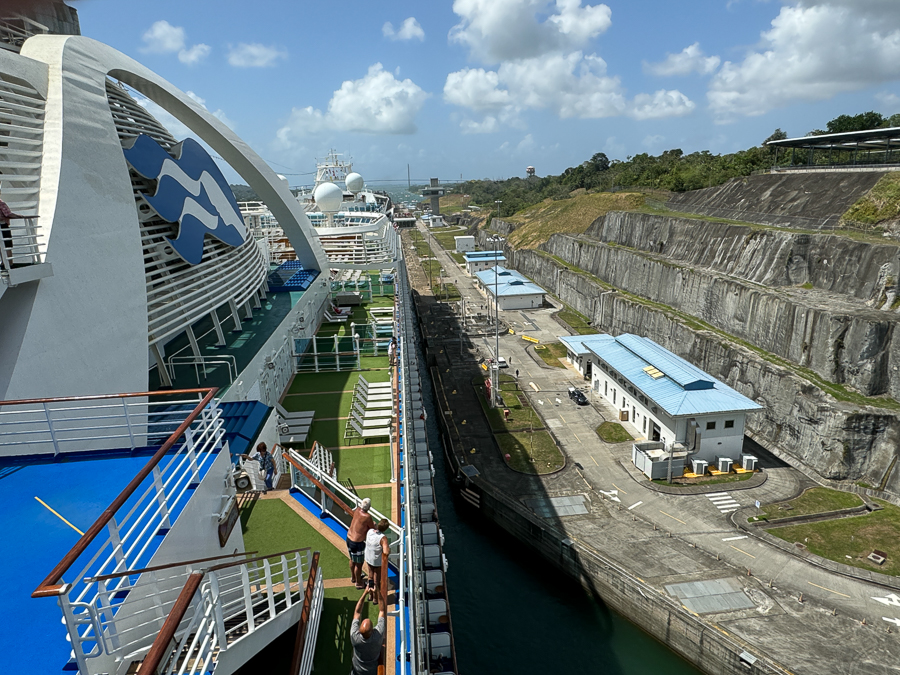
(6, 215)
(366, 641)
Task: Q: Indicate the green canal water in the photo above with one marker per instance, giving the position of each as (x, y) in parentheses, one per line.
(514, 613)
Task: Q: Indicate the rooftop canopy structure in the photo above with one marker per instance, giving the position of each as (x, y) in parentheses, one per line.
(873, 147)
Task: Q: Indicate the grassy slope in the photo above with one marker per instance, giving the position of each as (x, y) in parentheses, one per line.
(573, 216)
(880, 204)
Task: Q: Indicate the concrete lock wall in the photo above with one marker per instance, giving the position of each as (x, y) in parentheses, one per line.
(651, 610)
(837, 440)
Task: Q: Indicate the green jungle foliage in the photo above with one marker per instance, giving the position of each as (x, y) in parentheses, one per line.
(672, 170)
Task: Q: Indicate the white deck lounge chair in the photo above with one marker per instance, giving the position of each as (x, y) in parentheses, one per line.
(376, 385)
(375, 405)
(380, 432)
(369, 424)
(372, 414)
(288, 416)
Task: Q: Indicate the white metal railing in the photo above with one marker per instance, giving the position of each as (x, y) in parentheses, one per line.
(20, 243)
(199, 362)
(231, 601)
(84, 423)
(332, 484)
(141, 512)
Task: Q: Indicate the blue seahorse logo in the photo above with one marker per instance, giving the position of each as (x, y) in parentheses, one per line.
(191, 191)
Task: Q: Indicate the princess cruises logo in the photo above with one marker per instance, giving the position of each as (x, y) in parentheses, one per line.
(191, 191)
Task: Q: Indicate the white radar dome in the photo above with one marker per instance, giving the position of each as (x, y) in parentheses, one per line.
(329, 197)
(354, 182)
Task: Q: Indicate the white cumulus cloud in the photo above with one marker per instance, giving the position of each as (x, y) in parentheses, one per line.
(500, 30)
(814, 50)
(254, 55)
(378, 103)
(409, 30)
(572, 85)
(195, 54)
(164, 38)
(688, 60)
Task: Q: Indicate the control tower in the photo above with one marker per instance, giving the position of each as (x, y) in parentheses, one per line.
(435, 191)
(529, 172)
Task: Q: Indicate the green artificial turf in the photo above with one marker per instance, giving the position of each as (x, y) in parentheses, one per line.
(333, 649)
(381, 499)
(270, 526)
(374, 362)
(308, 383)
(364, 464)
(324, 405)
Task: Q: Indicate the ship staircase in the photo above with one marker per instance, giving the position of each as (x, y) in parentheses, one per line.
(160, 581)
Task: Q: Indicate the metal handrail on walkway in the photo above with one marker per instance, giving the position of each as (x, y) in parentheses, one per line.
(89, 606)
(230, 601)
(20, 243)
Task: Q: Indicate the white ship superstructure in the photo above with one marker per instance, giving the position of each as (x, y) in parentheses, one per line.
(355, 232)
(145, 352)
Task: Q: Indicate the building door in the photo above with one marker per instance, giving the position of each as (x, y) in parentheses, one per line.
(655, 433)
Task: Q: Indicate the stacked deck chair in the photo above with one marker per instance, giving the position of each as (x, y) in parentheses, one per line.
(293, 427)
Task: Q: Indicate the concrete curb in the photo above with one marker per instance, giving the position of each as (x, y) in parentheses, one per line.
(753, 482)
(739, 519)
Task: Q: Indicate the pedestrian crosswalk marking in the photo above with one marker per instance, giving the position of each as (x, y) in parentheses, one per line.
(723, 501)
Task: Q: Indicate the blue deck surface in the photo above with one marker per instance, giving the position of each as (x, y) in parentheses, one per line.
(79, 490)
(37, 540)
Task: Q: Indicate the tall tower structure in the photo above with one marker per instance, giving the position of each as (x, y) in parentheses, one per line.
(529, 172)
(435, 191)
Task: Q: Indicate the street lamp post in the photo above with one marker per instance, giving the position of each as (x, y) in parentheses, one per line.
(498, 202)
(495, 239)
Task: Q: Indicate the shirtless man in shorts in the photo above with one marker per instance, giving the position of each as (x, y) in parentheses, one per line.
(356, 540)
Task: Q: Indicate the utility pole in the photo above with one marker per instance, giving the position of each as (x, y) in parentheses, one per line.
(495, 239)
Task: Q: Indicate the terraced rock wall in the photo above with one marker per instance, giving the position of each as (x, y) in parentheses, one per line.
(743, 289)
(838, 440)
(788, 199)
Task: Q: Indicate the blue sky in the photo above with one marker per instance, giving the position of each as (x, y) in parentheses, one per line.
(483, 88)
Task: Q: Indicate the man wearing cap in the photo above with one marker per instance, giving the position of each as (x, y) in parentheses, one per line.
(366, 641)
(356, 540)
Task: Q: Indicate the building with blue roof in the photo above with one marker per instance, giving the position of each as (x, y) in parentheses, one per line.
(513, 291)
(478, 261)
(665, 397)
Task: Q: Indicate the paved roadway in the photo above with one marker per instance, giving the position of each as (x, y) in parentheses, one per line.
(699, 521)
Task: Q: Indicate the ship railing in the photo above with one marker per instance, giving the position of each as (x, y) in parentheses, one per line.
(221, 605)
(139, 516)
(20, 243)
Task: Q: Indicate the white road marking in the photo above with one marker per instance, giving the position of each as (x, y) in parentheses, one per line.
(734, 538)
(891, 599)
(635, 505)
(723, 501)
(612, 494)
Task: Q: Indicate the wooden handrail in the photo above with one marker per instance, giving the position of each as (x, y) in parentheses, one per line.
(100, 397)
(157, 568)
(160, 646)
(235, 563)
(328, 493)
(50, 587)
(303, 624)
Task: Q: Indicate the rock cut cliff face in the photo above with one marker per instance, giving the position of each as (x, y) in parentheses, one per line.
(837, 440)
(743, 281)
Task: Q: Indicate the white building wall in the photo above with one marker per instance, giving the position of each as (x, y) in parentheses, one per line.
(718, 442)
(464, 244)
(521, 301)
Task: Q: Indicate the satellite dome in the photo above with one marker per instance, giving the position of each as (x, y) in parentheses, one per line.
(329, 197)
(354, 182)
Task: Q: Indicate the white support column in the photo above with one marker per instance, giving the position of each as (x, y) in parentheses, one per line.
(164, 379)
(315, 352)
(220, 336)
(248, 311)
(235, 316)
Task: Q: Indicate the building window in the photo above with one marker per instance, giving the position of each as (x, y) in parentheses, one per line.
(729, 424)
(605, 387)
(710, 426)
(614, 395)
(645, 424)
